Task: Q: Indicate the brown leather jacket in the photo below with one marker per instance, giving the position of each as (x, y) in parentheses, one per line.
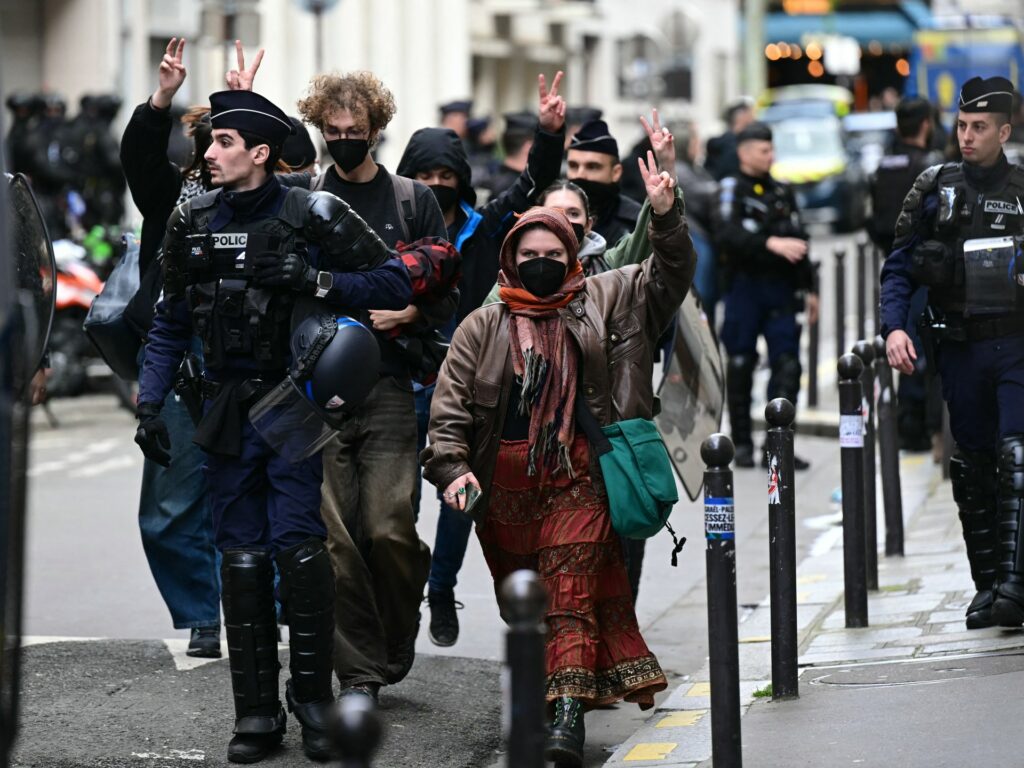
(616, 321)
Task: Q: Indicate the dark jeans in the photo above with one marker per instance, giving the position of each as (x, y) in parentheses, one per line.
(380, 564)
(177, 527)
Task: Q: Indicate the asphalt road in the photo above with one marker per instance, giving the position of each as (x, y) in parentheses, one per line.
(124, 696)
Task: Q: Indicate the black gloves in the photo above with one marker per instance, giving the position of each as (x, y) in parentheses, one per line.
(272, 270)
(152, 435)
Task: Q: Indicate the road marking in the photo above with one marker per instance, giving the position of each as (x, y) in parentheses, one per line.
(756, 639)
(110, 465)
(173, 754)
(803, 597)
(825, 542)
(699, 689)
(28, 640)
(182, 661)
(655, 750)
(682, 718)
(811, 578)
(77, 457)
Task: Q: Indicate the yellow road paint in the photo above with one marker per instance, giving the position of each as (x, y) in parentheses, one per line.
(655, 750)
(682, 718)
(811, 578)
(699, 689)
(757, 639)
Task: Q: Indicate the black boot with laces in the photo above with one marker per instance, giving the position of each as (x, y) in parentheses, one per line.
(565, 740)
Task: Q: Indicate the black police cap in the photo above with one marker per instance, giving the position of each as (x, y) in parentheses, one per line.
(755, 132)
(459, 105)
(582, 114)
(298, 150)
(252, 113)
(994, 94)
(520, 122)
(595, 137)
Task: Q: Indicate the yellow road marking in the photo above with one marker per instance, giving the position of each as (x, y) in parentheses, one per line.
(681, 718)
(811, 578)
(758, 639)
(699, 689)
(657, 750)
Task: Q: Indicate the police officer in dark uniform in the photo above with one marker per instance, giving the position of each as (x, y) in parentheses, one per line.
(959, 234)
(593, 165)
(236, 262)
(764, 248)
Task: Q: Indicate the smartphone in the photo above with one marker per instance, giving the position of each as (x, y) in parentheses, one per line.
(473, 495)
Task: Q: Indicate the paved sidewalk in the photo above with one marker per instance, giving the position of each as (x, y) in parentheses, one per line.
(913, 689)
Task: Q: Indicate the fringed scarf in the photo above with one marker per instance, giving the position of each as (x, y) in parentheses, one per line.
(543, 356)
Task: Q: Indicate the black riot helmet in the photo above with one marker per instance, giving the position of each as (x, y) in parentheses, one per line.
(335, 364)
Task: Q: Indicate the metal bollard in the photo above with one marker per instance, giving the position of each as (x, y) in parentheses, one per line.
(889, 453)
(862, 287)
(523, 604)
(840, 279)
(876, 283)
(778, 446)
(865, 350)
(723, 634)
(813, 344)
(357, 731)
(851, 446)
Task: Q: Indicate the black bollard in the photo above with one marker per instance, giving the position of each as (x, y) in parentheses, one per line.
(778, 446)
(851, 446)
(876, 281)
(523, 605)
(813, 343)
(840, 279)
(889, 453)
(865, 350)
(723, 635)
(862, 287)
(357, 731)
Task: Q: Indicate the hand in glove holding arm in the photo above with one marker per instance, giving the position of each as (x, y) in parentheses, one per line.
(272, 270)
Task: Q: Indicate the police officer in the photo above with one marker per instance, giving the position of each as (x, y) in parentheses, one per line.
(764, 248)
(236, 262)
(958, 234)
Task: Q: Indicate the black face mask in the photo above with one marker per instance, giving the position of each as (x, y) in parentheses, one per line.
(446, 196)
(599, 194)
(542, 276)
(580, 233)
(348, 153)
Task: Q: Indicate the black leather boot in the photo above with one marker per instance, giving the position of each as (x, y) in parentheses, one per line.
(739, 382)
(307, 594)
(1008, 606)
(565, 740)
(973, 476)
(250, 623)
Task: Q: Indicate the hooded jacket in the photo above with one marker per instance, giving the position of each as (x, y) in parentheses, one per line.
(478, 233)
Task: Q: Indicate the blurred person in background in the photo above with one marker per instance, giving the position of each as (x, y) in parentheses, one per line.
(700, 190)
(516, 143)
(593, 164)
(721, 158)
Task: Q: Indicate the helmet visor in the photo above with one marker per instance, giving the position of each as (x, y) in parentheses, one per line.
(290, 423)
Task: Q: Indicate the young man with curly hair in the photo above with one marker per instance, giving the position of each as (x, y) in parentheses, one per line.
(370, 467)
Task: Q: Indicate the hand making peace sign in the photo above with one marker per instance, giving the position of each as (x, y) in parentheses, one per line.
(662, 142)
(660, 186)
(171, 74)
(241, 79)
(552, 106)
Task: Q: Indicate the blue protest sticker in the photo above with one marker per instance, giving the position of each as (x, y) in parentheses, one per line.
(719, 518)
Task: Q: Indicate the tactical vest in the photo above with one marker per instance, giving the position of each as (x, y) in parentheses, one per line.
(241, 325)
(769, 212)
(893, 179)
(970, 264)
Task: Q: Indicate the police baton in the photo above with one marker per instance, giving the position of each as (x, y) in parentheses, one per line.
(723, 634)
(889, 453)
(865, 350)
(357, 731)
(523, 605)
(851, 447)
(778, 447)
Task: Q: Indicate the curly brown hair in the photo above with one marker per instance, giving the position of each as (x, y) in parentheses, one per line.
(361, 93)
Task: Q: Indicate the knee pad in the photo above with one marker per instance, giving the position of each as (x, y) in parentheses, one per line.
(247, 577)
(307, 579)
(1011, 467)
(785, 378)
(973, 477)
(740, 369)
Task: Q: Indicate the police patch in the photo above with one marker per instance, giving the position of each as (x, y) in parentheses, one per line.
(230, 240)
(1000, 206)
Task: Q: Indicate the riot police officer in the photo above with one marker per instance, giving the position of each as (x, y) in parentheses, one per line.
(959, 235)
(764, 248)
(236, 262)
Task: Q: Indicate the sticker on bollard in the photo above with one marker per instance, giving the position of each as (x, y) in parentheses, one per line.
(851, 431)
(719, 518)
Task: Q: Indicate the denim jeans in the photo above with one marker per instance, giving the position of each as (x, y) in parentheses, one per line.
(177, 527)
(453, 527)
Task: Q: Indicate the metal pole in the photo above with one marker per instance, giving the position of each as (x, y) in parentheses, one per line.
(876, 278)
(723, 635)
(862, 288)
(851, 446)
(813, 344)
(357, 731)
(755, 68)
(889, 453)
(523, 604)
(840, 280)
(865, 350)
(318, 17)
(778, 446)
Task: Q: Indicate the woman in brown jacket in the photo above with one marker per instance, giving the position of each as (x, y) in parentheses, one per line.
(503, 423)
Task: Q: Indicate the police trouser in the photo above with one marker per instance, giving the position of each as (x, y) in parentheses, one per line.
(380, 564)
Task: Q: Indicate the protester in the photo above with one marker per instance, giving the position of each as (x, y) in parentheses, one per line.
(508, 432)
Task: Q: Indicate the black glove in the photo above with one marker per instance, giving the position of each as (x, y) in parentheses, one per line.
(272, 270)
(152, 435)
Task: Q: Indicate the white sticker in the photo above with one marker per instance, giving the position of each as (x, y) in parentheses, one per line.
(851, 431)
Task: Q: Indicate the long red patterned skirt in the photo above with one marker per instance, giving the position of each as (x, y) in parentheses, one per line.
(560, 527)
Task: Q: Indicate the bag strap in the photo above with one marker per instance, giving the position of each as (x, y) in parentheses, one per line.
(405, 200)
